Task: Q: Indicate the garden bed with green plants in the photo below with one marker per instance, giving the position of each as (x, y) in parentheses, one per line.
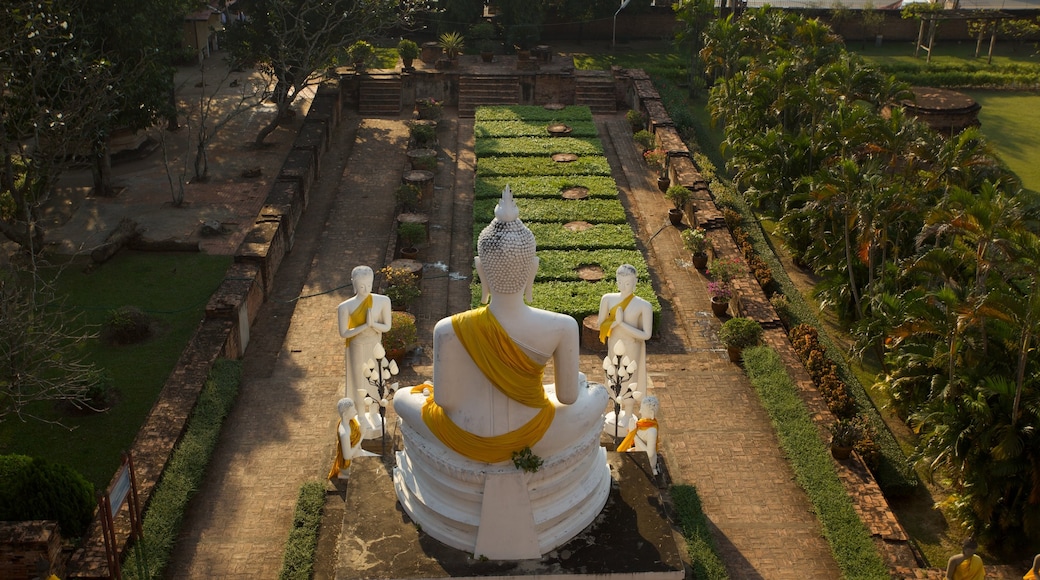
(500, 129)
(598, 186)
(849, 539)
(530, 146)
(537, 183)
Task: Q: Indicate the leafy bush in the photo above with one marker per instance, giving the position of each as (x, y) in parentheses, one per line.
(536, 146)
(849, 539)
(184, 471)
(494, 166)
(402, 333)
(422, 135)
(411, 234)
(645, 139)
(532, 113)
(700, 544)
(740, 332)
(402, 286)
(533, 128)
(600, 187)
(822, 370)
(408, 49)
(126, 325)
(601, 211)
(298, 558)
(408, 196)
(636, 119)
(32, 488)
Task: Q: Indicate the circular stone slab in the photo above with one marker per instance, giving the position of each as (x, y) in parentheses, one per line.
(558, 130)
(590, 272)
(577, 226)
(554, 106)
(576, 192)
(564, 157)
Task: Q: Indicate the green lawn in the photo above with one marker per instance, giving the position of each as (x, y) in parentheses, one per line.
(1010, 121)
(947, 53)
(173, 289)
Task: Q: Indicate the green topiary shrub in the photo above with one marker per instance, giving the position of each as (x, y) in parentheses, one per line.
(127, 325)
(34, 489)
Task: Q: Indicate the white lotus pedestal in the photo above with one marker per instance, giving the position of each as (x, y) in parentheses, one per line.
(631, 538)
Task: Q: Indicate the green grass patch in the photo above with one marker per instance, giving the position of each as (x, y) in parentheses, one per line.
(518, 128)
(596, 211)
(183, 474)
(300, 548)
(173, 289)
(599, 187)
(562, 265)
(700, 545)
(529, 166)
(1009, 121)
(537, 146)
(849, 539)
(654, 58)
(531, 113)
(578, 299)
(598, 237)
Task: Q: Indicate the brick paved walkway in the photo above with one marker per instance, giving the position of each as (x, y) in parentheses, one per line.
(716, 434)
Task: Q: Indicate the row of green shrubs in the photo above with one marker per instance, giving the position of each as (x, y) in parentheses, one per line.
(894, 473)
(485, 129)
(600, 187)
(850, 541)
(533, 114)
(531, 146)
(700, 544)
(537, 183)
(601, 211)
(1010, 76)
(302, 545)
(183, 474)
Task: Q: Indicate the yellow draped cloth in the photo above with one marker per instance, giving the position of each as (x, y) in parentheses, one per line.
(512, 372)
(358, 317)
(604, 327)
(340, 463)
(970, 569)
(630, 439)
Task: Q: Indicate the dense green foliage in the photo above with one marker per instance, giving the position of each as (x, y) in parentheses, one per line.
(298, 559)
(700, 544)
(35, 489)
(926, 245)
(849, 539)
(184, 472)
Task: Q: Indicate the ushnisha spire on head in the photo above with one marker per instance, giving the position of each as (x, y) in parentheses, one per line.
(506, 248)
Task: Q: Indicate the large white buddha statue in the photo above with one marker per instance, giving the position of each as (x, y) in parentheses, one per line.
(456, 476)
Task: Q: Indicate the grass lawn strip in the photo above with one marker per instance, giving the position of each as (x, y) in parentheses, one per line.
(562, 265)
(537, 146)
(531, 166)
(532, 113)
(849, 539)
(596, 211)
(600, 187)
(486, 129)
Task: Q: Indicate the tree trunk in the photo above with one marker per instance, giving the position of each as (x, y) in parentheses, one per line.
(101, 168)
(268, 129)
(124, 233)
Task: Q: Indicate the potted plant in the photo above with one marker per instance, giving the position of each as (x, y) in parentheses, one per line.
(679, 196)
(636, 119)
(645, 139)
(408, 197)
(739, 333)
(402, 287)
(401, 337)
(725, 269)
(408, 50)
(452, 44)
(411, 235)
(428, 108)
(720, 296)
(360, 53)
(696, 241)
(423, 135)
(845, 433)
(656, 160)
(483, 35)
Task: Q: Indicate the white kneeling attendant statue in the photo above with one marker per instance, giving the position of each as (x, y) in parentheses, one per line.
(494, 462)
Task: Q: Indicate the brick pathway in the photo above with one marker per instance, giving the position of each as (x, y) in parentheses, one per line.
(716, 434)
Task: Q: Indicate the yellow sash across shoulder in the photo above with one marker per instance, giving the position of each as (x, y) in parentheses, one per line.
(340, 463)
(358, 317)
(630, 439)
(512, 372)
(604, 327)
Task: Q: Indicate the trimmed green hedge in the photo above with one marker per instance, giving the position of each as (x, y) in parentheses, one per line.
(532, 113)
(556, 237)
(596, 211)
(549, 186)
(488, 129)
(495, 166)
(298, 558)
(894, 474)
(849, 538)
(32, 488)
(578, 299)
(536, 146)
(561, 264)
(183, 473)
(700, 545)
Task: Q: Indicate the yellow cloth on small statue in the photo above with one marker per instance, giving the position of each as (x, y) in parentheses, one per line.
(358, 317)
(1030, 575)
(340, 463)
(630, 439)
(512, 372)
(970, 569)
(604, 327)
